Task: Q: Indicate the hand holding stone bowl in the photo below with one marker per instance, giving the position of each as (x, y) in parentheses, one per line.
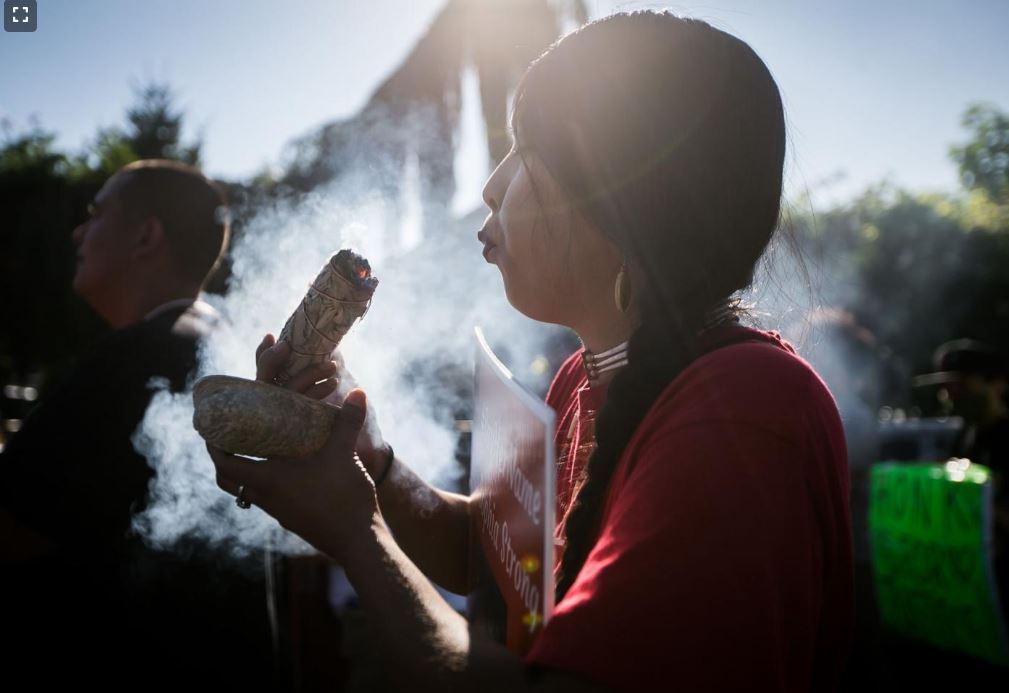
(328, 497)
(278, 414)
(329, 382)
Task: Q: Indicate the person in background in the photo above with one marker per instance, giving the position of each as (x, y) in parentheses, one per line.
(974, 384)
(973, 380)
(79, 592)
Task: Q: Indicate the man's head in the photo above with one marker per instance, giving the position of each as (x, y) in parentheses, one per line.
(973, 379)
(156, 228)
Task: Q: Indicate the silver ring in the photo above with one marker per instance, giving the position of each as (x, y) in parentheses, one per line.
(240, 499)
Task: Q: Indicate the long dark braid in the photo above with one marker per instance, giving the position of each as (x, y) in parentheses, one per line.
(668, 135)
(655, 358)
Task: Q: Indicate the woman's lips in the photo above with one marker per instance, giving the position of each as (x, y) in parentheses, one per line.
(488, 247)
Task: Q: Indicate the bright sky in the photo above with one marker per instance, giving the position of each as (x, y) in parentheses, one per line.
(872, 89)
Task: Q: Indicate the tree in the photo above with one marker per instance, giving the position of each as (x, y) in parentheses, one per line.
(154, 131)
(984, 159)
(30, 152)
(156, 127)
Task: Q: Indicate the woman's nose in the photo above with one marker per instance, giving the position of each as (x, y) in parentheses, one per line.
(493, 189)
(489, 198)
(78, 233)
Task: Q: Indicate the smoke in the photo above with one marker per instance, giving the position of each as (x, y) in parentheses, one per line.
(412, 353)
(802, 290)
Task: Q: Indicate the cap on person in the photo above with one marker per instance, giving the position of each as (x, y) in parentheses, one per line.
(959, 358)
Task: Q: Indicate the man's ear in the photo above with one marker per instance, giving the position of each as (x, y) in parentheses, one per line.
(150, 238)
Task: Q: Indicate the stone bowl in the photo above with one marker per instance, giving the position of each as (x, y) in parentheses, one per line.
(248, 417)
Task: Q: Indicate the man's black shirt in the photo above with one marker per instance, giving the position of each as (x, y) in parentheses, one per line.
(102, 606)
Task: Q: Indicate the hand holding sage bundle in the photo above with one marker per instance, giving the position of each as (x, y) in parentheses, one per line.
(259, 419)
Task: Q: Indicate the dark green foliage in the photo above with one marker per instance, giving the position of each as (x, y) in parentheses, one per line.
(916, 271)
(984, 159)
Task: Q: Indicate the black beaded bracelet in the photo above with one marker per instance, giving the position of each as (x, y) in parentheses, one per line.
(388, 465)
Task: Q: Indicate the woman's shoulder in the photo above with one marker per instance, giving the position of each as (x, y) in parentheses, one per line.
(746, 402)
(746, 376)
(749, 357)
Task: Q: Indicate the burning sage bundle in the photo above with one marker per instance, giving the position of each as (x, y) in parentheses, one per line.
(264, 420)
(337, 298)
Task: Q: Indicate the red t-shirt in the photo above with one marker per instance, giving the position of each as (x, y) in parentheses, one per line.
(724, 558)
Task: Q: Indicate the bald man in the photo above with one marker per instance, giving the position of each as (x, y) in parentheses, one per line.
(84, 589)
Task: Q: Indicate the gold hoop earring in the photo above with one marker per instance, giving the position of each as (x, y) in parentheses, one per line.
(622, 290)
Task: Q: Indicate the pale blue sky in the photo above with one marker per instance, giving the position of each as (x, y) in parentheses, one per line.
(872, 89)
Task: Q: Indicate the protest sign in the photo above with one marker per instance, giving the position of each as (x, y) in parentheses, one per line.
(930, 530)
(512, 482)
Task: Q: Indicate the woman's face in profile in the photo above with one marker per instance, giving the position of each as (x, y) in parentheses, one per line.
(553, 264)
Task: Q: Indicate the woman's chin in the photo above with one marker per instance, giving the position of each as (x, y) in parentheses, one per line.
(529, 306)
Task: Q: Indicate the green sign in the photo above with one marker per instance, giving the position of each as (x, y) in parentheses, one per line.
(930, 529)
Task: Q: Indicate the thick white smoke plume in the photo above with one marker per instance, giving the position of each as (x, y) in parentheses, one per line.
(410, 353)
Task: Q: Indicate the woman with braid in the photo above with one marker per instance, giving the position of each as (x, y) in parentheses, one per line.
(704, 530)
